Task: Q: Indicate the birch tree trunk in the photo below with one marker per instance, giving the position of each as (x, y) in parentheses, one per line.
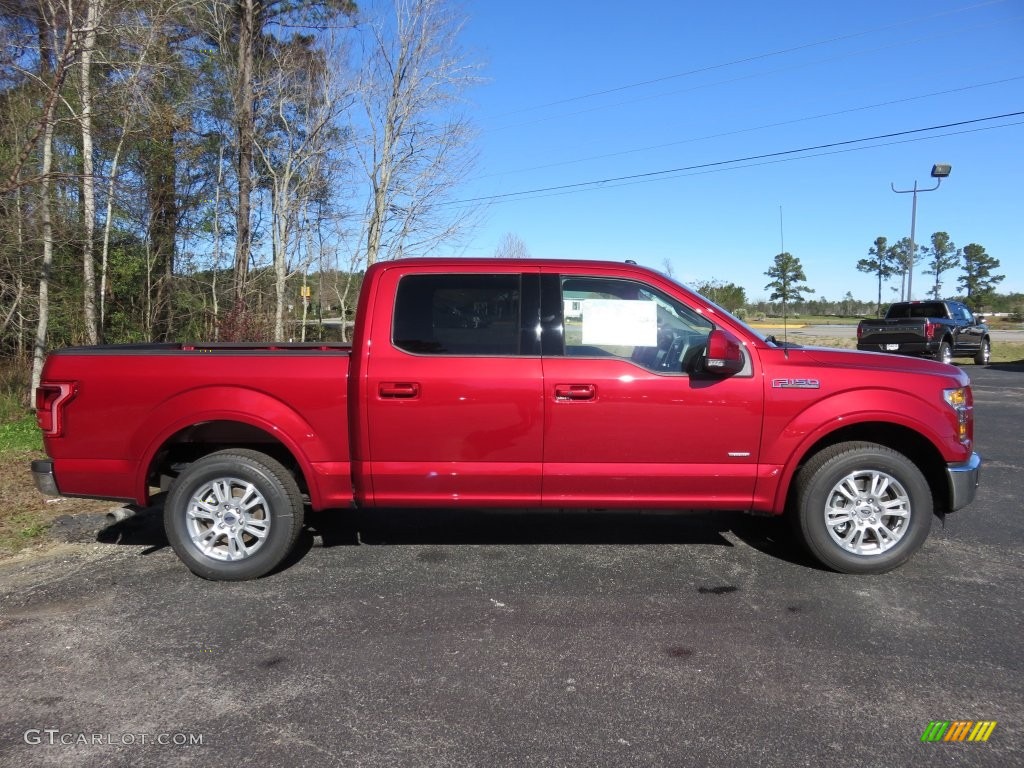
(39, 346)
(47, 27)
(88, 180)
(244, 120)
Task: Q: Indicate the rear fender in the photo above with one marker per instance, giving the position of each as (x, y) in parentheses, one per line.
(280, 421)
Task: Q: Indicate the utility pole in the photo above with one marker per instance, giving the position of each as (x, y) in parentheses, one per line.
(939, 172)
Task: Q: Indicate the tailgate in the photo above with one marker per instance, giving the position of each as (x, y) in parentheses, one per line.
(897, 332)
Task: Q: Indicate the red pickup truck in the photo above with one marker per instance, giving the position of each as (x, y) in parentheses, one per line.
(513, 383)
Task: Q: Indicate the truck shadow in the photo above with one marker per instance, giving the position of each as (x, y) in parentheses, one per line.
(390, 527)
(401, 527)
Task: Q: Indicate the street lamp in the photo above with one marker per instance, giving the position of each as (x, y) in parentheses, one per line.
(939, 172)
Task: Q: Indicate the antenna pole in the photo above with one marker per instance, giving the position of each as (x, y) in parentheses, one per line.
(785, 308)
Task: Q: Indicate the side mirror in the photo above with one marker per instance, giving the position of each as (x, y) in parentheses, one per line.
(724, 356)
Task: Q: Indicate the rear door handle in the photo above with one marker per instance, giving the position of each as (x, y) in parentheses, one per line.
(399, 389)
(575, 391)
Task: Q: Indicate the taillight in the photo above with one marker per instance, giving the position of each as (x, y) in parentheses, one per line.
(929, 329)
(50, 400)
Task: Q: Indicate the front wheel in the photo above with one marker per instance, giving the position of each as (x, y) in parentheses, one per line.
(862, 508)
(233, 515)
(984, 353)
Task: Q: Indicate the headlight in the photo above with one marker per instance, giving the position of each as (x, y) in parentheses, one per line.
(962, 402)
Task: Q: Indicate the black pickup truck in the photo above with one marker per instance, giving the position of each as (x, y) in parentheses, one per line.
(939, 329)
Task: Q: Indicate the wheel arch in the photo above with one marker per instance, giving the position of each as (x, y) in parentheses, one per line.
(198, 440)
(912, 444)
(191, 429)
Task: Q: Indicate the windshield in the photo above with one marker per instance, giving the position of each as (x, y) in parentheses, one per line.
(726, 313)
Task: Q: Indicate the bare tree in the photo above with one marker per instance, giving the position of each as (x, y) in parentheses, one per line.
(240, 25)
(16, 274)
(130, 98)
(511, 246)
(416, 147)
(48, 21)
(294, 151)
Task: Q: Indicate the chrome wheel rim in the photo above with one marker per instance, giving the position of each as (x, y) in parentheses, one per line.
(228, 519)
(947, 355)
(867, 513)
(986, 352)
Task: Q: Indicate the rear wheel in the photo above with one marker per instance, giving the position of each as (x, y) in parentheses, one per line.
(984, 354)
(945, 353)
(233, 515)
(862, 508)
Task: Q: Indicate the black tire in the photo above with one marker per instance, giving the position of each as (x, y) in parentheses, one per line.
(984, 353)
(886, 536)
(944, 354)
(211, 532)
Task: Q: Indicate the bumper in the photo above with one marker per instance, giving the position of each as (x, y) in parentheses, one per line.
(918, 348)
(963, 482)
(42, 474)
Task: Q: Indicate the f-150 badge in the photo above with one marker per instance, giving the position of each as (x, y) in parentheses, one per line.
(796, 383)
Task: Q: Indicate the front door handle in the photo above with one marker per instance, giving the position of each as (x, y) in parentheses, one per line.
(575, 392)
(399, 389)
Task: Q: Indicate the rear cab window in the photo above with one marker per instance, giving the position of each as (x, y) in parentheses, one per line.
(458, 314)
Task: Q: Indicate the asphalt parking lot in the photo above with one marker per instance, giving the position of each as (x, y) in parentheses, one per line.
(511, 639)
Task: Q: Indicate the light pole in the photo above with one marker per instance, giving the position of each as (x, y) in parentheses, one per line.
(939, 172)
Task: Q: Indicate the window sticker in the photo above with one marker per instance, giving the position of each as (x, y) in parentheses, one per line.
(618, 322)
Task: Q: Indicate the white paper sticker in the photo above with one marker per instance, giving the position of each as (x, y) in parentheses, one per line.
(620, 323)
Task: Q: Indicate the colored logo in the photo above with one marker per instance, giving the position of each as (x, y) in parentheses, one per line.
(958, 730)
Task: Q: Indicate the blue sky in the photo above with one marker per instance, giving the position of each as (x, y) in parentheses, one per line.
(578, 92)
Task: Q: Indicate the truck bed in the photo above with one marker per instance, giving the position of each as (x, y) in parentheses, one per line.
(160, 393)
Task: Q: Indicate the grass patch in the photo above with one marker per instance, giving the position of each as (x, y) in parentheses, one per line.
(1001, 352)
(21, 435)
(1007, 353)
(25, 514)
(20, 529)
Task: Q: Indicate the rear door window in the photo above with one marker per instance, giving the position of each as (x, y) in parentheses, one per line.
(460, 315)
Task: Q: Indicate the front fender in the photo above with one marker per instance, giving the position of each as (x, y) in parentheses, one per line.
(803, 430)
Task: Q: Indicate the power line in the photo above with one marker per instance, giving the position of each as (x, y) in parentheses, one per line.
(800, 157)
(751, 129)
(747, 59)
(580, 186)
(930, 39)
